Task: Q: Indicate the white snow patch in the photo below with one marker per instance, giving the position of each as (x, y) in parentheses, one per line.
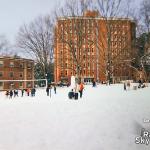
(106, 118)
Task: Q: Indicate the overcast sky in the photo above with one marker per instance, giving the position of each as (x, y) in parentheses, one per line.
(14, 13)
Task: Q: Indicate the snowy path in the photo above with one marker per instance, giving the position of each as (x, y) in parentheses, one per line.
(106, 118)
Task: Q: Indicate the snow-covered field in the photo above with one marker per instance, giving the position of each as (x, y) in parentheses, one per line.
(106, 118)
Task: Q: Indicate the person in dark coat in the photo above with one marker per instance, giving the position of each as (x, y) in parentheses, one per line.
(33, 92)
(22, 92)
(55, 89)
(15, 93)
(7, 93)
(125, 88)
(47, 91)
(11, 94)
(140, 83)
(71, 94)
(94, 83)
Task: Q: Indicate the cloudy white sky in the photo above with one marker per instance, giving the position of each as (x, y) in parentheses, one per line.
(14, 13)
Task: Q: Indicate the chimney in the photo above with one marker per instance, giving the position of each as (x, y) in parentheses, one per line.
(89, 13)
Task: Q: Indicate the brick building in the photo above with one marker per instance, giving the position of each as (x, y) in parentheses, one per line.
(13, 69)
(97, 46)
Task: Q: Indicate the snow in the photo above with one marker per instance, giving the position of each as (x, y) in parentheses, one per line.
(106, 118)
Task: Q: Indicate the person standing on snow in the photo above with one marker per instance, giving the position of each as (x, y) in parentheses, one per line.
(81, 87)
(125, 88)
(55, 89)
(128, 85)
(11, 94)
(28, 92)
(22, 92)
(47, 90)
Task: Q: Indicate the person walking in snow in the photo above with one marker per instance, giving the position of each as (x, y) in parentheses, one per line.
(47, 90)
(33, 92)
(54, 89)
(22, 92)
(125, 88)
(128, 85)
(11, 94)
(94, 83)
(81, 87)
(7, 94)
(28, 92)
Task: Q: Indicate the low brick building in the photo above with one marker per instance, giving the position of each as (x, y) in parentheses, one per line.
(15, 69)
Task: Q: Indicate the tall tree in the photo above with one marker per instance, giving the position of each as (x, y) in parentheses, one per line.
(110, 10)
(36, 39)
(145, 14)
(4, 45)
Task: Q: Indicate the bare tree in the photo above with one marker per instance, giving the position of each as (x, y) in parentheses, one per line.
(144, 38)
(4, 45)
(110, 10)
(36, 39)
(145, 14)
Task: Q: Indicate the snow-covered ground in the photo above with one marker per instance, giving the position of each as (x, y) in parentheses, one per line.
(106, 118)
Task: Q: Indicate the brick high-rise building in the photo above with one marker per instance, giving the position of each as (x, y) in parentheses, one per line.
(13, 69)
(94, 48)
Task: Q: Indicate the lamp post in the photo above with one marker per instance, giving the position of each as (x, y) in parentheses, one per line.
(108, 72)
(46, 79)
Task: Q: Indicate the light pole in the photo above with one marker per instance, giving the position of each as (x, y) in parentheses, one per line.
(46, 80)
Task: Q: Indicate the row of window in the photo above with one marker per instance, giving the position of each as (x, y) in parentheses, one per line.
(11, 75)
(11, 84)
(11, 64)
(84, 73)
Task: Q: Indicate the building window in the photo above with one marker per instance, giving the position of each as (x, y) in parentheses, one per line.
(21, 65)
(84, 72)
(11, 74)
(20, 84)
(29, 75)
(1, 84)
(1, 74)
(21, 75)
(11, 85)
(66, 73)
(1, 63)
(11, 64)
(28, 84)
(66, 64)
(29, 65)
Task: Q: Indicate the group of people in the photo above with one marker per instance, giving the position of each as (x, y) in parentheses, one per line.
(141, 84)
(15, 93)
(48, 90)
(128, 84)
(73, 94)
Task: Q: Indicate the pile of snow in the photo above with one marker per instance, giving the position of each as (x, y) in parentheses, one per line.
(106, 118)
